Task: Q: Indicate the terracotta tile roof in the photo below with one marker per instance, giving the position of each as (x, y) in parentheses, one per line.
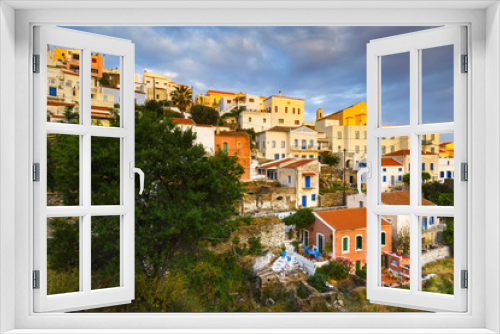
(59, 104)
(390, 162)
(183, 121)
(406, 152)
(242, 134)
(282, 128)
(219, 92)
(100, 108)
(274, 163)
(308, 173)
(400, 198)
(346, 219)
(299, 163)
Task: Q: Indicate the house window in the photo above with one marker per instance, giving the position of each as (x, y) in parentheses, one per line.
(225, 147)
(289, 179)
(239, 144)
(400, 169)
(304, 144)
(297, 122)
(293, 110)
(392, 148)
(311, 143)
(276, 109)
(298, 112)
(365, 134)
(357, 149)
(339, 135)
(286, 110)
(282, 155)
(400, 178)
(249, 119)
(384, 169)
(359, 242)
(345, 244)
(383, 149)
(105, 97)
(273, 144)
(52, 91)
(283, 144)
(313, 197)
(441, 174)
(281, 121)
(432, 166)
(384, 178)
(251, 100)
(356, 134)
(382, 239)
(296, 141)
(264, 120)
(423, 165)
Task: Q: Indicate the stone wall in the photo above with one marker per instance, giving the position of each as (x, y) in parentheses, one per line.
(271, 233)
(268, 199)
(436, 254)
(331, 199)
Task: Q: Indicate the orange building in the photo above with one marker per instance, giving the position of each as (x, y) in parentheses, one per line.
(236, 144)
(346, 229)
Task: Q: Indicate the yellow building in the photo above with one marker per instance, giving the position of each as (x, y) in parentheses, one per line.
(447, 150)
(353, 115)
(212, 98)
(285, 111)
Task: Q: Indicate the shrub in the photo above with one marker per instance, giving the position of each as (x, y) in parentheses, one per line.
(255, 246)
(317, 281)
(337, 269)
(361, 273)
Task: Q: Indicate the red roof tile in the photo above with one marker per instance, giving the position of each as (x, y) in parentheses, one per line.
(390, 162)
(233, 134)
(400, 198)
(346, 219)
(219, 92)
(183, 121)
(299, 163)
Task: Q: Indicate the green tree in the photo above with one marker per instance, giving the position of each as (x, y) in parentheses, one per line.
(187, 195)
(204, 115)
(302, 218)
(182, 98)
(330, 159)
(449, 233)
(425, 177)
(438, 193)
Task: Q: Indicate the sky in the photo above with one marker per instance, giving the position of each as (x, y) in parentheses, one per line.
(326, 66)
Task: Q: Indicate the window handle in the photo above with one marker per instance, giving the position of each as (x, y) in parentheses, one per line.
(139, 171)
(365, 170)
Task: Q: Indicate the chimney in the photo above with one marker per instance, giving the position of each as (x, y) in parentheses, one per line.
(280, 93)
(217, 130)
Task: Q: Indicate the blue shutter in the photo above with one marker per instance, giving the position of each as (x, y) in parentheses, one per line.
(441, 174)
(385, 178)
(52, 91)
(432, 166)
(304, 201)
(308, 181)
(423, 165)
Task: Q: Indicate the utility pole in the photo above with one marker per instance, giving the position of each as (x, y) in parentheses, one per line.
(344, 178)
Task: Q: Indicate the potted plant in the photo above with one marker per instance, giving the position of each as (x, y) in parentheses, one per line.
(295, 245)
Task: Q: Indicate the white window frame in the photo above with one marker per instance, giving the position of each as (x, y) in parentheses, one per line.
(453, 35)
(16, 214)
(348, 245)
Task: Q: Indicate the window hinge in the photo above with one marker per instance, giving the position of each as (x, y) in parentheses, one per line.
(465, 279)
(464, 171)
(36, 172)
(36, 279)
(465, 63)
(36, 63)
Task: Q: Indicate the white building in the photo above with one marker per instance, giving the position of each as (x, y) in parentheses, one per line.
(241, 101)
(281, 142)
(392, 174)
(205, 134)
(256, 120)
(446, 169)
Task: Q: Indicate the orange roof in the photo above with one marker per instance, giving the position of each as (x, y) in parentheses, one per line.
(61, 104)
(406, 152)
(183, 121)
(390, 162)
(400, 198)
(346, 219)
(233, 134)
(299, 163)
(274, 163)
(308, 174)
(219, 92)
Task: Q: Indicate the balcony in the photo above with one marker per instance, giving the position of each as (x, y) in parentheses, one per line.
(304, 148)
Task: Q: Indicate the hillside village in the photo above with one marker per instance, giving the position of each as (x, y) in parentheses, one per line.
(292, 169)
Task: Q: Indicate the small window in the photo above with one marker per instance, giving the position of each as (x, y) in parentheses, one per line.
(298, 111)
(105, 97)
(282, 155)
(273, 144)
(313, 197)
(225, 147)
(239, 144)
(249, 119)
(359, 242)
(286, 110)
(283, 144)
(400, 169)
(382, 239)
(94, 60)
(383, 149)
(264, 120)
(297, 122)
(423, 165)
(384, 169)
(384, 178)
(281, 121)
(289, 179)
(356, 134)
(357, 149)
(345, 244)
(339, 135)
(276, 109)
(432, 166)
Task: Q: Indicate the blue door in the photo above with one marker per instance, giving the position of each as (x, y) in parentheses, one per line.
(448, 175)
(304, 201)
(308, 181)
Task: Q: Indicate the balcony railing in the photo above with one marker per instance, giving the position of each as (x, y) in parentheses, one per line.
(304, 147)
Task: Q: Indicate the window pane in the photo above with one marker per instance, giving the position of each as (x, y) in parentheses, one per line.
(395, 254)
(105, 89)
(63, 170)
(395, 93)
(437, 84)
(63, 255)
(437, 254)
(395, 170)
(105, 171)
(105, 252)
(437, 164)
(63, 84)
